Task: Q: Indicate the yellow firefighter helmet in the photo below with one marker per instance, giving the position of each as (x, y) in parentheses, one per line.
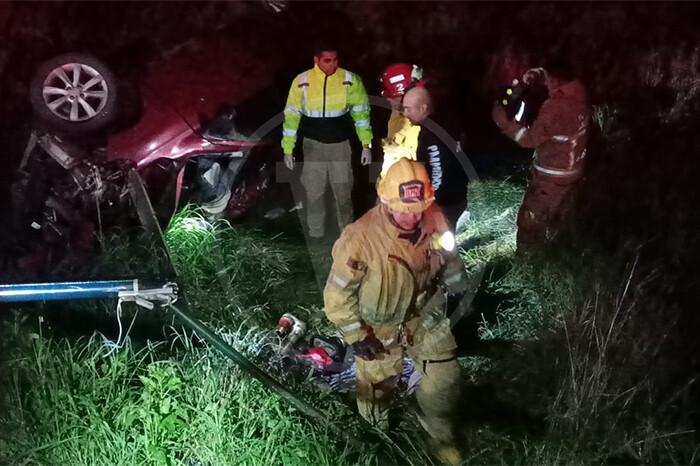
(406, 187)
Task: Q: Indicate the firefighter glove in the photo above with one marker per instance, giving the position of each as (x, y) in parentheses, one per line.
(366, 157)
(289, 161)
(368, 348)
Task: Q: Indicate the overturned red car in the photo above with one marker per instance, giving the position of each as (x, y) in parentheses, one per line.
(198, 124)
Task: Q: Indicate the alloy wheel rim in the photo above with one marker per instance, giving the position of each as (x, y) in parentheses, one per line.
(75, 92)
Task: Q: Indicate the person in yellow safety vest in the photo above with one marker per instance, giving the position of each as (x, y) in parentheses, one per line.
(384, 292)
(326, 104)
(402, 136)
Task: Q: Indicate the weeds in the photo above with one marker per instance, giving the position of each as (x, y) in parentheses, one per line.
(74, 406)
(226, 270)
(488, 236)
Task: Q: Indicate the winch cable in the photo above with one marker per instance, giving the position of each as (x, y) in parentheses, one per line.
(263, 377)
(271, 383)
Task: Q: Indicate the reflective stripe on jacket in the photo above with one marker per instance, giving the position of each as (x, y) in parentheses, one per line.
(379, 270)
(325, 100)
(560, 132)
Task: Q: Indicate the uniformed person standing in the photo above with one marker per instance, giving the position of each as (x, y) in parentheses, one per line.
(326, 104)
(559, 136)
(385, 293)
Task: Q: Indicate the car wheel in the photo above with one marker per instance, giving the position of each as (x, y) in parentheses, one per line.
(74, 93)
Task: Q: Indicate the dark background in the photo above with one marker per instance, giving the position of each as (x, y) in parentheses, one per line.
(639, 62)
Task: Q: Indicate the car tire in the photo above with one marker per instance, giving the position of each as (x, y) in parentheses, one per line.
(74, 93)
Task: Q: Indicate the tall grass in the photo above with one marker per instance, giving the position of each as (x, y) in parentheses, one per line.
(488, 235)
(598, 366)
(227, 271)
(600, 370)
(82, 402)
(72, 404)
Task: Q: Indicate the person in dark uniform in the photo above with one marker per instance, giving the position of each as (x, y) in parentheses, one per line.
(440, 157)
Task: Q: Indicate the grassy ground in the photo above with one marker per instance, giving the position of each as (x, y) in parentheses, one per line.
(83, 404)
(571, 383)
(167, 398)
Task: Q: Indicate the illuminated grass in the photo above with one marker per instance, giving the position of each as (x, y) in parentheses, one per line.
(225, 269)
(182, 402)
(489, 234)
(579, 367)
(76, 406)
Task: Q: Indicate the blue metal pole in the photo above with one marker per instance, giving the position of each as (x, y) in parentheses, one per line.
(23, 292)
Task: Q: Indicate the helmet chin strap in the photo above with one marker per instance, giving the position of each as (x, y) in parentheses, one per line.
(388, 212)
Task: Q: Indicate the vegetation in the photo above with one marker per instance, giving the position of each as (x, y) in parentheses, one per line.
(80, 403)
(594, 338)
(166, 397)
(577, 384)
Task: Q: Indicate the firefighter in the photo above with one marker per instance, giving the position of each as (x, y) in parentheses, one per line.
(559, 137)
(326, 104)
(385, 294)
(440, 158)
(402, 135)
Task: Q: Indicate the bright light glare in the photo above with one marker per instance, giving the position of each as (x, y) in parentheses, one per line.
(195, 224)
(444, 241)
(447, 241)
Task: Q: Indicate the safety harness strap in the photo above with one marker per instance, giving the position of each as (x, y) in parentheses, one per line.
(435, 361)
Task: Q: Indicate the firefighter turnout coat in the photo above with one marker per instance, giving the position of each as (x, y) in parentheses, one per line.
(559, 134)
(380, 274)
(401, 140)
(381, 283)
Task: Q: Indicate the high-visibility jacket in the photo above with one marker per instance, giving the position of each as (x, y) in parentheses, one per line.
(326, 108)
(559, 134)
(379, 271)
(401, 140)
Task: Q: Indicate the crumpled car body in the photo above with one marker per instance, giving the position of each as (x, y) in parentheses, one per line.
(191, 133)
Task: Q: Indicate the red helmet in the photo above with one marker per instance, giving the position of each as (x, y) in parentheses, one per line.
(399, 78)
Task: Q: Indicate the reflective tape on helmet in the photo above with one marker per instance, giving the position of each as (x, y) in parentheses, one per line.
(521, 111)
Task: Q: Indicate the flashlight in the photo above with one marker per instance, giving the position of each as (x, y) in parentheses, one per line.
(444, 241)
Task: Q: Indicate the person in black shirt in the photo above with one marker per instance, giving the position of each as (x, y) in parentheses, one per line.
(440, 155)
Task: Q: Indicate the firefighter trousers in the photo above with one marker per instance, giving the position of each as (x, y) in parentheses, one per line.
(326, 163)
(545, 203)
(432, 349)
